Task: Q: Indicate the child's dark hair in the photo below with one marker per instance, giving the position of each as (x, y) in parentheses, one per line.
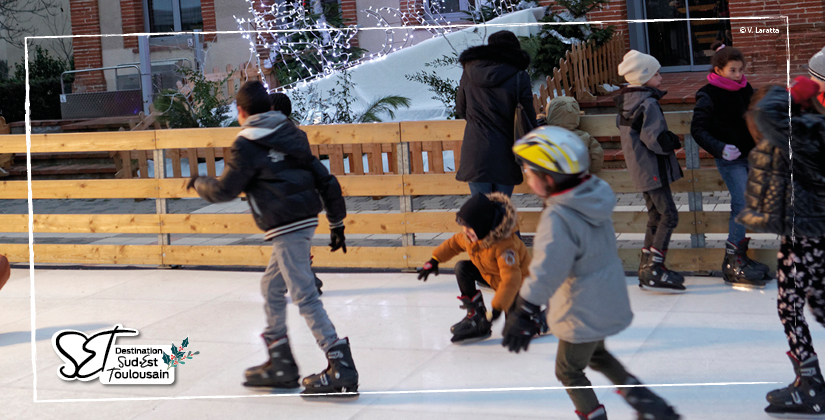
(280, 102)
(749, 116)
(253, 98)
(724, 55)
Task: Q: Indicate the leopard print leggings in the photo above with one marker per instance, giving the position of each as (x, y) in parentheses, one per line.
(801, 276)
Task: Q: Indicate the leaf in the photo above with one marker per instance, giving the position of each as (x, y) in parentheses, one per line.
(197, 352)
(174, 349)
(387, 105)
(166, 358)
(181, 362)
(185, 342)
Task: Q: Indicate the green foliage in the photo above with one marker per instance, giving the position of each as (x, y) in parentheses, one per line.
(292, 69)
(546, 49)
(494, 9)
(43, 67)
(386, 104)
(201, 107)
(445, 89)
(4, 70)
(44, 97)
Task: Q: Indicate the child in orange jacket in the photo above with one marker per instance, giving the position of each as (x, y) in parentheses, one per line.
(498, 259)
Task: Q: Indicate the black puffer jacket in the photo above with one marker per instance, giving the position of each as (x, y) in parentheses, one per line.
(271, 161)
(718, 119)
(774, 204)
(487, 97)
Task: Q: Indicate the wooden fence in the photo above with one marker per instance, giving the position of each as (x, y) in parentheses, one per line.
(583, 71)
(404, 180)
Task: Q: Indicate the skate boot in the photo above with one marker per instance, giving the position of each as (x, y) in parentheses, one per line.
(280, 371)
(475, 326)
(656, 276)
(648, 405)
(645, 260)
(737, 271)
(743, 249)
(340, 376)
(598, 414)
(804, 398)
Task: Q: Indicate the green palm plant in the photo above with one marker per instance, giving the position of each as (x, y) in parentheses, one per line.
(387, 104)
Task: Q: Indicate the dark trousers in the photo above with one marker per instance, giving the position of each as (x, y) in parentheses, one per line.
(571, 360)
(800, 278)
(467, 275)
(662, 217)
(489, 187)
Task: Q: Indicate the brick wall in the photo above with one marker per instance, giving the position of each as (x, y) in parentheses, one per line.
(131, 13)
(87, 51)
(767, 53)
(349, 11)
(210, 22)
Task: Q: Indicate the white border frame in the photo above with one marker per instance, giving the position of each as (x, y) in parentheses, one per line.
(457, 25)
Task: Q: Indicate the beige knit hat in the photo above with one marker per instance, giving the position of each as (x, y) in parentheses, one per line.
(637, 68)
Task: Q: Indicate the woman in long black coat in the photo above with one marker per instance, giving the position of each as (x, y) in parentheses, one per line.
(493, 82)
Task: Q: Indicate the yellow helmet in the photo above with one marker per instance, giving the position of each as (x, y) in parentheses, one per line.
(553, 150)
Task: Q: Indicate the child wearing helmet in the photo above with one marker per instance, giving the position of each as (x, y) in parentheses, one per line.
(649, 150)
(498, 259)
(576, 268)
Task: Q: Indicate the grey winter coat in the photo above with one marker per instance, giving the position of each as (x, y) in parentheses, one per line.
(576, 266)
(647, 144)
(492, 83)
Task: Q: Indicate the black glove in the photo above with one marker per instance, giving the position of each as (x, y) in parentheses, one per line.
(430, 266)
(191, 183)
(336, 237)
(669, 141)
(496, 314)
(521, 325)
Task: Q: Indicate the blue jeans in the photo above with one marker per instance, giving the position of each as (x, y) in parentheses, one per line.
(735, 175)
(489, 187)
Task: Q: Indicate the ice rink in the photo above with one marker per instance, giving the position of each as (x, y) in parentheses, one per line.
(399, 330)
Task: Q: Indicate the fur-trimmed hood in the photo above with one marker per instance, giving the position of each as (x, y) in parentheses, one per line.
(492, 65)
(508, 225)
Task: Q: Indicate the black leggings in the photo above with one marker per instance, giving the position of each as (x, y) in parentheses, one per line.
(467, 275)
(800, 277)
(662, 217)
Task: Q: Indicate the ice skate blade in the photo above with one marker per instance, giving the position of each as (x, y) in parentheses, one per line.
(279, 387)
(350, 393)
(471, 340)
(795, 415)
(664, 290)
(745, 286)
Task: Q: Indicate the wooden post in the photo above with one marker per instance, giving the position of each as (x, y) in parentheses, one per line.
(403, 159)
(164, 239)
(697, 240)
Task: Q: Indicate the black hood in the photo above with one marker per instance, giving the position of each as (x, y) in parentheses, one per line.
(492, 65)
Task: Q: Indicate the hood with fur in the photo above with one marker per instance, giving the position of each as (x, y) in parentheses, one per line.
(508, 225)
(564, 112)
(492, 65)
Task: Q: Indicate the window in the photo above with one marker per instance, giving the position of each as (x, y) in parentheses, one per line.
(452, 10)
(172, 15)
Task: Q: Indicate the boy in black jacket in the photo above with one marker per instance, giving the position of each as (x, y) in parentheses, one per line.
(271, 162)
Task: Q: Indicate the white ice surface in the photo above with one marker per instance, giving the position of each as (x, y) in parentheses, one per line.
(399, 329)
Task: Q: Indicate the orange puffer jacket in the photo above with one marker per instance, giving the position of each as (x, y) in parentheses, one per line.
(501, 257)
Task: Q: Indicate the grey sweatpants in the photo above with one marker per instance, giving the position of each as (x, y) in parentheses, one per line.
(289, 270)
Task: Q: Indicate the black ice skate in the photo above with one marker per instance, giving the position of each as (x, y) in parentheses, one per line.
(804, 398)
(339, 379)
(737, 271)
(743, 248)
(475, 326)
(644, 260)
(598, 414)
(648, 405)
(280, 371)
(656, 276)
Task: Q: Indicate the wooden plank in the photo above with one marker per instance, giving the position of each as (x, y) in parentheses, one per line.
(416, 158)
(336, 160)
(174, 154)
(81, 223)
(695, 259)
(708, 179)
(352, 186)
(210, 162)
(84, 254)
(356, 165)
(605, 125)
(434, 184)
(192, 156)
(636, 222)
(713, 221)
(126, 161)
(432, 130)
(374, 158)
(374, 257)
(436, 159)
(79, 142)
(77, 189)
(223, 224)
(143, 166)
(353, 133)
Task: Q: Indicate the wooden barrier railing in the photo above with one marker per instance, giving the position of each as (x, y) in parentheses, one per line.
(400, 140)
(583, 71)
